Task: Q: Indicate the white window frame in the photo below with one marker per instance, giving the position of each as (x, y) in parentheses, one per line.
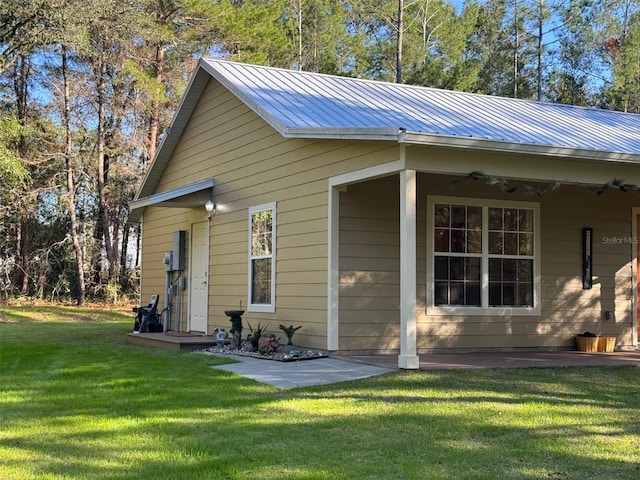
(271, 306)
(484, 309)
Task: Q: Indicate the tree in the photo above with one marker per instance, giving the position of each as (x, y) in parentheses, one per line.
(253, 32)
(14, 177)
(575, 76)
(318, 35)
(443, 47)
(71, 188)
(102, 44)
(24, 26)
(30, 146)
(622, 52)
(173, 32)
(12, 171)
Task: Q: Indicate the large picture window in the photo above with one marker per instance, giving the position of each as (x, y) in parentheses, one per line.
(482, 256)
(262, 248)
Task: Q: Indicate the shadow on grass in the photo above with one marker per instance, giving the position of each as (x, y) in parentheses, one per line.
(81, 403)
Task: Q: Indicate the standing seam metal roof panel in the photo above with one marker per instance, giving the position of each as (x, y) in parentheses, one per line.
(311, 101)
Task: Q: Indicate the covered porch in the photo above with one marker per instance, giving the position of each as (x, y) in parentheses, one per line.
(389, 203)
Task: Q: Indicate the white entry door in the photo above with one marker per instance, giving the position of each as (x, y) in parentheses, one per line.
(199, 289)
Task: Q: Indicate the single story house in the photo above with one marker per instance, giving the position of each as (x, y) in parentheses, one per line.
(389, 218)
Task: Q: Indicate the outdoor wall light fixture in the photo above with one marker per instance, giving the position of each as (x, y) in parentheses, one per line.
(587, 258)
(211, 208)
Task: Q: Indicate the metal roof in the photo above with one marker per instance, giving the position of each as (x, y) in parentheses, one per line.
(302, 104)
(311, 105)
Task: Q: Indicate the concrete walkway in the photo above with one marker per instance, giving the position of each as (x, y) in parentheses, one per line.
(304, 373)
(322, 371)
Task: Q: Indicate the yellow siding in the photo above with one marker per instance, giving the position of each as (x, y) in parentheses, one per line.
(369, 271)
(252, 164)
(370, 266)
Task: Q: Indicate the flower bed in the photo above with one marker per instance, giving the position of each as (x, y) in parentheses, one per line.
(281, 354)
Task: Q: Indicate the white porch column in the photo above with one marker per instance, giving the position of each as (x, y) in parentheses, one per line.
(408, 358)
(333, 269)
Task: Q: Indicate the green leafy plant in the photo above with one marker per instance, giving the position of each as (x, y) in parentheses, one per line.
(258, 331)
(255, 334)
(289, 331)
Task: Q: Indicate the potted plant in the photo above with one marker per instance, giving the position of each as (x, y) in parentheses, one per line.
(606, 344)
(587, 342)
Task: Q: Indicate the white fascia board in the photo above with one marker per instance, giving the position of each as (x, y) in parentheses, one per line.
(451, 141)
(346, 133)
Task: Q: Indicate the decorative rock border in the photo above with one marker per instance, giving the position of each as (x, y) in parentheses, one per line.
(282, 354)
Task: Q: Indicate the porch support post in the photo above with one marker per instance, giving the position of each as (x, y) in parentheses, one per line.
(333, 269)
(408, 358)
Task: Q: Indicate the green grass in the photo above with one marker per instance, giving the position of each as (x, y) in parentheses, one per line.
(78, 402)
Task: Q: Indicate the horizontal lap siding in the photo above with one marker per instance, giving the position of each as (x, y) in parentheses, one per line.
(157, 238)
(370, 270)
(252, 164)
(567, 309)
(562, 221)
(369, 280)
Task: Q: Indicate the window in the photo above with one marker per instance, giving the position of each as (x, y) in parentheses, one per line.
(482, 256)
(262, 248)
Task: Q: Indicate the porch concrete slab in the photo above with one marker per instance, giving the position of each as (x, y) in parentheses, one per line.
(433, 361)
(304, 373)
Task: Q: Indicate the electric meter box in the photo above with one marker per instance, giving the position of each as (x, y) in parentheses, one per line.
(179, 238)
(168, 261)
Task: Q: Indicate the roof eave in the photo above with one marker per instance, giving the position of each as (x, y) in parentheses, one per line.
(346, 133)
(185, 196)
(471, 143)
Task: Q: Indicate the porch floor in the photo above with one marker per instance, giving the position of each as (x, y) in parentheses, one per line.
(172, 340)
(428, 361)
(524, 359)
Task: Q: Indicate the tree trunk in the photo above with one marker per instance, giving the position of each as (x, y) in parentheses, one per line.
(24, 237)
(103, 208)
(516, 39)
(540, 48)
(154, 120)
(71, 194)
(300, 35)
(20, 86)
(400, 41)
(125, 244)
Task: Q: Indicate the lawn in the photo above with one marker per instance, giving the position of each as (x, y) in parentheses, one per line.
(78, 402)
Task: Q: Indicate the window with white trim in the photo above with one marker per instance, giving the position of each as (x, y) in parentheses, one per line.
(483, 256)
(262, 258)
